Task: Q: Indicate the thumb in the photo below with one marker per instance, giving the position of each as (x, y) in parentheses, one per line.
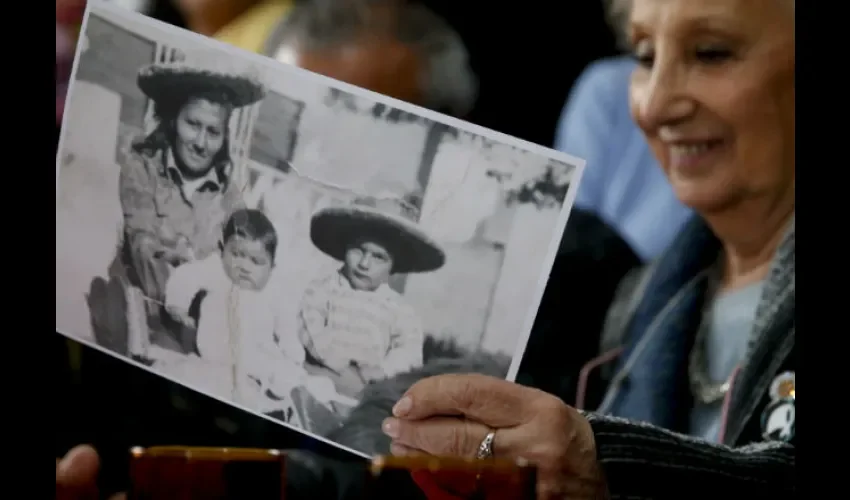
(78, 467)
(76, 474)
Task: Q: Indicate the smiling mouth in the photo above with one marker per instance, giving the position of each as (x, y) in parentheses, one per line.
(692, 154)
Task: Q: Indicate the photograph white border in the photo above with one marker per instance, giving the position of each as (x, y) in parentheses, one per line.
(576, 163)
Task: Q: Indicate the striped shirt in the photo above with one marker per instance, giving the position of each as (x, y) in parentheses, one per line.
(338, 325)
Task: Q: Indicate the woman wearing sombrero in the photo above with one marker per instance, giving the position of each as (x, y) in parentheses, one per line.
(356, 328)
(176, 187)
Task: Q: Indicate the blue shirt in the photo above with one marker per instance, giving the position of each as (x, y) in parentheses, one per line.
(729, 320)
(622, 182)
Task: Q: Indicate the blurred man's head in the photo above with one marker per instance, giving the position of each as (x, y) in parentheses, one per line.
(209, 16)
(397, 48)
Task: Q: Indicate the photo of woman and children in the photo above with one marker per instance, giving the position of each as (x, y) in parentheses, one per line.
(266, 285)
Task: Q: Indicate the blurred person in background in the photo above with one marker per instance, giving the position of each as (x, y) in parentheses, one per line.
(397, 48)
(247, 24)
(623, 182)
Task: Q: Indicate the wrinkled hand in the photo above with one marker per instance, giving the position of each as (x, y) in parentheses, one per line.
(76, 475)
(449, 415)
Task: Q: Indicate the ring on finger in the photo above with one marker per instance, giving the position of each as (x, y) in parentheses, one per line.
(485, 449)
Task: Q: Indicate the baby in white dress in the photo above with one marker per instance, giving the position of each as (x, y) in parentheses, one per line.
(242, 352)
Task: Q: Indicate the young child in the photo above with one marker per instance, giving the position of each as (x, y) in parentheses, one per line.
(241, 351)
(355, 328)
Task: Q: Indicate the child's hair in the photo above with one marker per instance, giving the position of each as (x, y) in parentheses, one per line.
(253, 225)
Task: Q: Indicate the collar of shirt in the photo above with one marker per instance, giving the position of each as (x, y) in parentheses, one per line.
(212, 181)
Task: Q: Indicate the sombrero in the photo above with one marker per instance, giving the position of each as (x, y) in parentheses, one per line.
(391, 221)
(167, 81)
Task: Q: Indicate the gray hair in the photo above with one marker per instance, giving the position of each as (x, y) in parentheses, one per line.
(617, 14)
(449, 84)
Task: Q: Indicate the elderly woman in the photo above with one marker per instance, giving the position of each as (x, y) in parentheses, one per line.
(176, 184)
(708, 329)
(703, 396)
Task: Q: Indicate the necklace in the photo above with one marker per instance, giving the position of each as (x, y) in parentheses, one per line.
(704, 389)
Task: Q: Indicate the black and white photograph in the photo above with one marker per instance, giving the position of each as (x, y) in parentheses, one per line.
(280, 241)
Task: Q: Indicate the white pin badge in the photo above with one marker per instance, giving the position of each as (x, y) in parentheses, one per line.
(779, 417)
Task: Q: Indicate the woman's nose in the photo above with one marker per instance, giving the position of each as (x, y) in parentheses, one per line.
(660, 98)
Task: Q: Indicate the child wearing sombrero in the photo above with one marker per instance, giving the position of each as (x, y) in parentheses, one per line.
(352, 324)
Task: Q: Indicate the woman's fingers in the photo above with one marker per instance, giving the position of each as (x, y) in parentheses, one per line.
(76, 474)
(78, 468)
(489, 400)
(444, 436)
(401, 450)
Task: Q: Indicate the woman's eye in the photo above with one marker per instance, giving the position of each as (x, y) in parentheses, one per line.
(643, 54)
(643, 59)
(713, 55)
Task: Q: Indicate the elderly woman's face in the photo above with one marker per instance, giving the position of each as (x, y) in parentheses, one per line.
(714, 95)
(200, 130)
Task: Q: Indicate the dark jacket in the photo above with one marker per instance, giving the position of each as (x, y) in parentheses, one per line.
(656, 314)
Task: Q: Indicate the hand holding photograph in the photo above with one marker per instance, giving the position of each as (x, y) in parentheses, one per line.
(295, 246)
